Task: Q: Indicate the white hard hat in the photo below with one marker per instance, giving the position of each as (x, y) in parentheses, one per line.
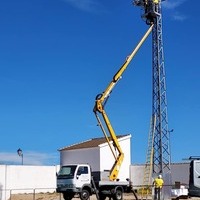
(159, 176)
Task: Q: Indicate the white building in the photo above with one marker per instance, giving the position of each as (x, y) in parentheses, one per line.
(96, 152)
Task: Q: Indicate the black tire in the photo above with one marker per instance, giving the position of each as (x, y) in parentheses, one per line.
(118, 195)
(84, 195)
(68, 196)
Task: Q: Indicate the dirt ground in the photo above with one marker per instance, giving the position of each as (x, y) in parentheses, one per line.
(56, 196)
(46, 196)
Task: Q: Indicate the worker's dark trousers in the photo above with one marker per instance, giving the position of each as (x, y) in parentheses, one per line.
(157, 194)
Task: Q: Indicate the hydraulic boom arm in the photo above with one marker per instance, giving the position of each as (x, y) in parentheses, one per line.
(100, 102)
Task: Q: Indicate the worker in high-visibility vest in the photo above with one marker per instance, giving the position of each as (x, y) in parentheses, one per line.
(156, 1)
(158, 184)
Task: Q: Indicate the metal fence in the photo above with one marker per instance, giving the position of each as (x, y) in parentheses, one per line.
(31, 194)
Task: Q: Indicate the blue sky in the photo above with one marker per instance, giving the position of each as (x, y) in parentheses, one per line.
(57, 55)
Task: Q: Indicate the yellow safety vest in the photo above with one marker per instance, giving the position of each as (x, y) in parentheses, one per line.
(158, 182)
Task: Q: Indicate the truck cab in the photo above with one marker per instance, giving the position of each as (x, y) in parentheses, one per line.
(77, 179)
(74, 179)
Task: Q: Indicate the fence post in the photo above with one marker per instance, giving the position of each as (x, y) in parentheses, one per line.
(33, 194)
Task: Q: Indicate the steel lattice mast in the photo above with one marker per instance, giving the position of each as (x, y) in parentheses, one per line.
(161, 147)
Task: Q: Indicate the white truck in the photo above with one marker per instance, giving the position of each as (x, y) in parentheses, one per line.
(79, 179)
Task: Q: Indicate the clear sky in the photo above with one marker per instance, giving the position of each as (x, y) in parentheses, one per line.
(57, 55)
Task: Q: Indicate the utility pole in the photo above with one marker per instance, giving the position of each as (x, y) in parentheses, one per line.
(161, 147)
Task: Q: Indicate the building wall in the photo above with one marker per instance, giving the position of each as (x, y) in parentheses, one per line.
(107, 159)
(81, 156)
(2, 181)
(23, 179)
(99, 158)
(179, 172)
(137, 174)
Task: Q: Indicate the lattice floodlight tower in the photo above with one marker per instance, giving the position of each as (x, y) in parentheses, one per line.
(161, 147)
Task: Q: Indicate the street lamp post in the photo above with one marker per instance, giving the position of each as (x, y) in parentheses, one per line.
(20, 153)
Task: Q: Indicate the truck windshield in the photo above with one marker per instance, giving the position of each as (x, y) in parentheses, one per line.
(67, 171)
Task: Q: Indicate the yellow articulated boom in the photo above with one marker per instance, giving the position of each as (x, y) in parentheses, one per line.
(106, 126)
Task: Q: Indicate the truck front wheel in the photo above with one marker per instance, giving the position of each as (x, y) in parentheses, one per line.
(84, 195)
(118, 195)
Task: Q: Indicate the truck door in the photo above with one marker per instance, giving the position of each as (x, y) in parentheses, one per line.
(83, 176)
